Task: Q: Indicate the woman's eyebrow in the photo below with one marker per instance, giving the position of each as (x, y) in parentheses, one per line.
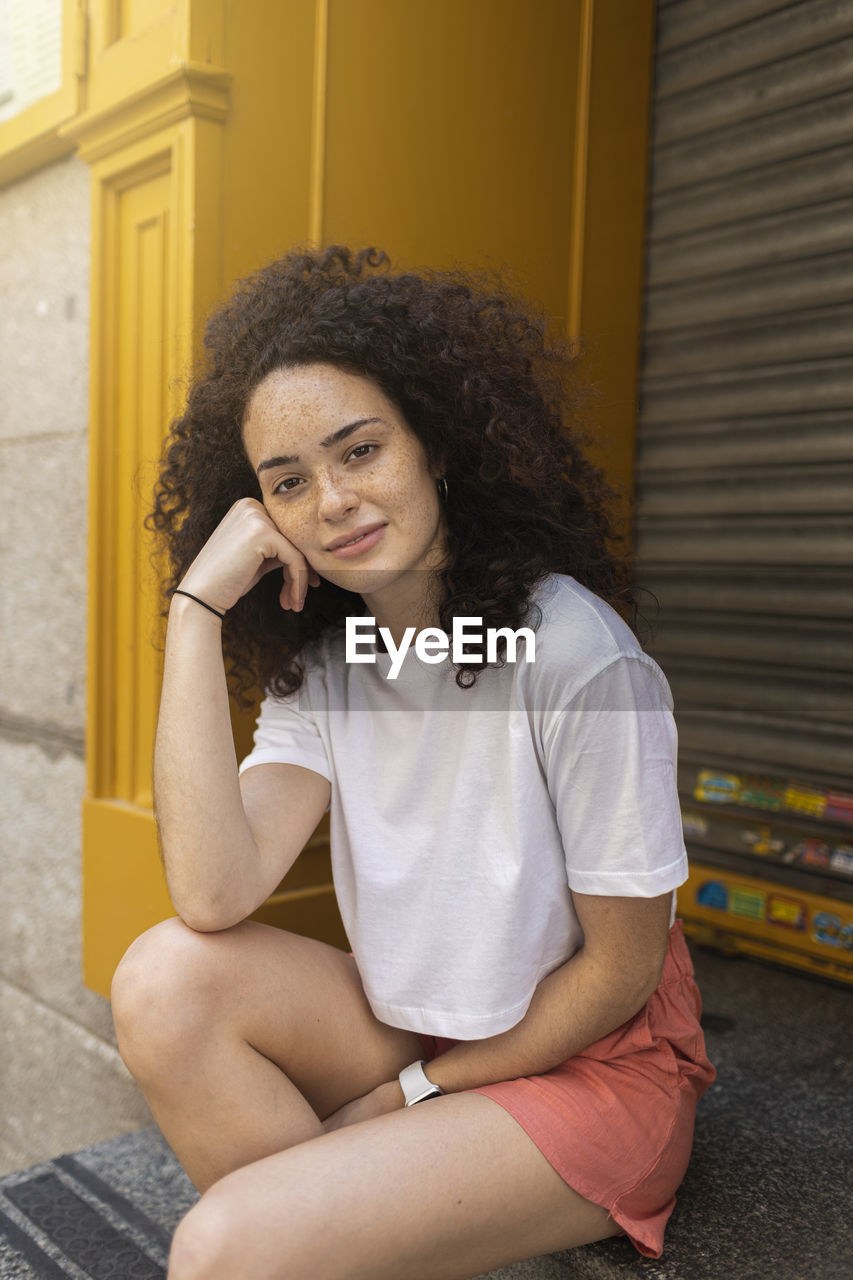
(286, 460)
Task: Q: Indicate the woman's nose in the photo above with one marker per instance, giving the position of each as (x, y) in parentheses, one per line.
(336, 497)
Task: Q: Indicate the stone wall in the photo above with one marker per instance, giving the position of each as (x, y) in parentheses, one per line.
(62, 1083)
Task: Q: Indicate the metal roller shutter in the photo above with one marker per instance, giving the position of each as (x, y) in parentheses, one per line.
(745, 437)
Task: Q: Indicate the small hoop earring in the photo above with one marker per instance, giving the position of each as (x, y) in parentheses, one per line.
(441, 484)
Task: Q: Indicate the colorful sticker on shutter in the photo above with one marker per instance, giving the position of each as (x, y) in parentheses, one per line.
(717, 788)
(713, 893)
(804, 799)
(810, 853)
(841, 859)
(752, 791)
(749, 903)
(790, 913)
(829, 929)
(762, 841)
(839, 806)
(762, 793)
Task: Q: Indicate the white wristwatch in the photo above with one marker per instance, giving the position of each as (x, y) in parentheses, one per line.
(416, 1085)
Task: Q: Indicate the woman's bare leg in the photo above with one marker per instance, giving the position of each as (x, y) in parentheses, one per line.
(448, 1189)
(243, 1041)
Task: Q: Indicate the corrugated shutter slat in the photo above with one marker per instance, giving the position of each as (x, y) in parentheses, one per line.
(781, 32)
(745, 437)
(793, 182)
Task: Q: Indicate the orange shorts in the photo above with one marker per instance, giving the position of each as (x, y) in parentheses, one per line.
(616, 1120)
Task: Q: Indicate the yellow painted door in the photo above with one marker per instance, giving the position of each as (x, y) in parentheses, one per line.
(489, 133)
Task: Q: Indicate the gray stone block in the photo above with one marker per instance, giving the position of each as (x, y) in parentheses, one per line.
(61, 1087)
(43, 572)
(44, 328)
(40, 937)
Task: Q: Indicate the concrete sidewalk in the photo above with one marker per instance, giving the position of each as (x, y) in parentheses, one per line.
(767, 1195)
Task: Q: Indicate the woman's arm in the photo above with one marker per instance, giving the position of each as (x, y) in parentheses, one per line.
(603, 985)
(610, 762)
(219, 865)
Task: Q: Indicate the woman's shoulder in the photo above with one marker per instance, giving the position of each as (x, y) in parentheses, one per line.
(571, 611)
(579, 635)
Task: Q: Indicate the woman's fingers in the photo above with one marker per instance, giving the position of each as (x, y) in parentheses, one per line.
(242, 549)
(294, 588)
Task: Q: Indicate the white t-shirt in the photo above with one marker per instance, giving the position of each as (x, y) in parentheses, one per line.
(461, 818)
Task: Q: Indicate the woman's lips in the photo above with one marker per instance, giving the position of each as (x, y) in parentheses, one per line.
(350, 549)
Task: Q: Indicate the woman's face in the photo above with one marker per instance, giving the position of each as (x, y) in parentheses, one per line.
(345, 480)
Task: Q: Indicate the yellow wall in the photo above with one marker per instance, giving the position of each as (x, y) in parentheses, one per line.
(484, 132)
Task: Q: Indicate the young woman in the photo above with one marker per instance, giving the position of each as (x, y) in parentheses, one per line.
(509, 1062)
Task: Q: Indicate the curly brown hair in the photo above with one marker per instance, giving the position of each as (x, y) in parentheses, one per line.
(493, 398)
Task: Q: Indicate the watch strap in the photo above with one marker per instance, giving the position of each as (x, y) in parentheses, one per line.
(416, 1085)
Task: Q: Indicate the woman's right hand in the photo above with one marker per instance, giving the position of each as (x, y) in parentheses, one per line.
(243, 547)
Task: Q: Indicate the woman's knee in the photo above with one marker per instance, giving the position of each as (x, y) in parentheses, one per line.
(200, 1245)
(227, 1234)
(162, 990)
(218, 1240)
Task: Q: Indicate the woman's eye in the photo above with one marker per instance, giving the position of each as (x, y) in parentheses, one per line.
(362, 450)
(287, 484)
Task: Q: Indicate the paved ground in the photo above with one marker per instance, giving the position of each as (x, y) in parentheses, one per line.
(767, 1196)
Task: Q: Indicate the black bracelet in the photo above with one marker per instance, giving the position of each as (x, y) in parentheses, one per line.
(204, 605)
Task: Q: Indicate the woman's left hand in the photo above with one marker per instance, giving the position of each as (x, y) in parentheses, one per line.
(385, 1097)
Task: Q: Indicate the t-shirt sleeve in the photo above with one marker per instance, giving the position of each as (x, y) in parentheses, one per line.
(611, 769)
(287, 733)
